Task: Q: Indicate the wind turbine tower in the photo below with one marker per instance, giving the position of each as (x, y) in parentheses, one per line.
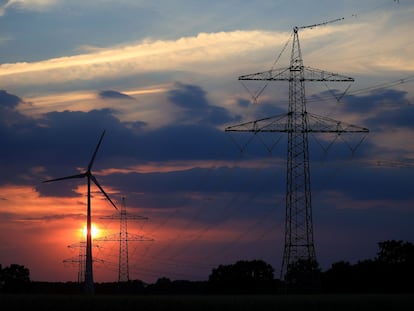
(123, 238)
(297, 123)
(89, 285)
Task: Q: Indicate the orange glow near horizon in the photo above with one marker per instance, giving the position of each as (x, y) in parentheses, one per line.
(55, 226)
(182, 247)
(95, 231)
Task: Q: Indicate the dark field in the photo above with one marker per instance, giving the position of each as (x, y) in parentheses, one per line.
(208, 302)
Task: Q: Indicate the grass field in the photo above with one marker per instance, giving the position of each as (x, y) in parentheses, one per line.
(207, 302)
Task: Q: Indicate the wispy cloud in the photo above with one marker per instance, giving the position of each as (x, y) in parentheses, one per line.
(357, 46)
(32, 5)
(149, 55)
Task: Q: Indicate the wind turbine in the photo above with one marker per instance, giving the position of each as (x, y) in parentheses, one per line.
(89, 287)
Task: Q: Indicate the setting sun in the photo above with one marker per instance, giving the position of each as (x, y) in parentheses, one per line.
(95, 231)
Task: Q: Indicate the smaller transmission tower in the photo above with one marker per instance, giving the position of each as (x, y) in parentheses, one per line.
(123, 238)
(81, 259)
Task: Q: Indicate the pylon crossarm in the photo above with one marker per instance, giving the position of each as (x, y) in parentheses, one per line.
(117, 238)
(284, 74)
(117, 216)
(313, 74)
(271, 124)
(281, 74)
(316, 123)
(318, 24)
(137, 237)
(321, 124)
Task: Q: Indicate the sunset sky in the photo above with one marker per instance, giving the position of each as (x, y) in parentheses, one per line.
(161, 78)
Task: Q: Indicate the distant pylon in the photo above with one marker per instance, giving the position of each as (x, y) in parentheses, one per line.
(81, 259)
(123, 238)
(297, 123)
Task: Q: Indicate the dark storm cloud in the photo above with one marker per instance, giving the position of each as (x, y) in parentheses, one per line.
(137, 125)
(66, 140)
(374, 98)
(10, 117)
(340, 163)
(359, 181)
(269, 109)
(355, 176)
(209, 179)
(18, 140)
(182, 142)
(8, 100)
(399, 116)
(196, 107)
(79, 121)
(243, 103)
(379, 106)
(110, 94)
(61, 141)
(203, 195)
(71, 136)
(123, 147)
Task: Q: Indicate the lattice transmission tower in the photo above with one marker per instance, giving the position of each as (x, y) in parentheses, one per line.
(123, 238)
(297, 123)
(81, 259)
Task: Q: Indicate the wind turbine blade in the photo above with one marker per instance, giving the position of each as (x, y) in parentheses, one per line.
(96, 150)
(103, 191)
(67, 177)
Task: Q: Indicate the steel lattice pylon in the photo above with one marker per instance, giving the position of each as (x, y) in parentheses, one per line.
(123, 238)
(297, 123)
(123, 264)
(81, 259)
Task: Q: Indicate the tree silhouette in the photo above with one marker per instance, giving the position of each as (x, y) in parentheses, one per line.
(303, 273)
(256, 270)
(396, 262)
(340, 277)
(396, 252)
(254, 276)
(14, 278)
(391, 271)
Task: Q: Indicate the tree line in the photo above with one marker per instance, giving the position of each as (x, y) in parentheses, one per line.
(391, 271)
